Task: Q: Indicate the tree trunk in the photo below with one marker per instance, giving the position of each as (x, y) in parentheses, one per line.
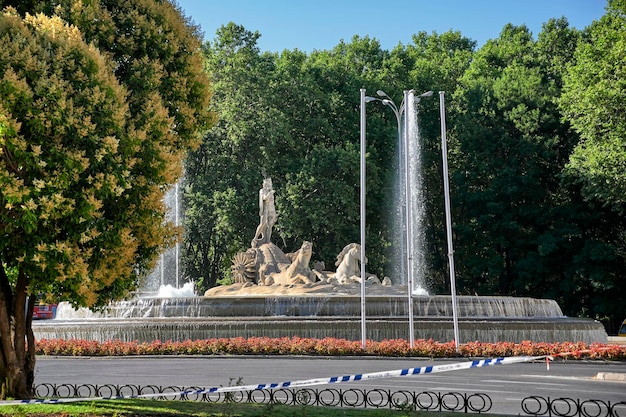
(17, 341)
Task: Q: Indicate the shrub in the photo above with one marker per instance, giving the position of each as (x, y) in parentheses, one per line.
(328, 347)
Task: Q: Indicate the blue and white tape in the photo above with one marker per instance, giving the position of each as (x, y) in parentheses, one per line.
(305, 382)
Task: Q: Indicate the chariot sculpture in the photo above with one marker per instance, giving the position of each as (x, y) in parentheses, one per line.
(266, 264)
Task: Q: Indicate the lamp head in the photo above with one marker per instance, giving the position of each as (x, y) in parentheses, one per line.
(426, 94)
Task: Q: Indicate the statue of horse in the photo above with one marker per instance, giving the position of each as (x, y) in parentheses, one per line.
(348, 264)
(298, 272)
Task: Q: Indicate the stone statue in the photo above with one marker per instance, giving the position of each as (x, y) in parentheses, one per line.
(298, 272)
(267, 268)
(348, 264)
(267, 214)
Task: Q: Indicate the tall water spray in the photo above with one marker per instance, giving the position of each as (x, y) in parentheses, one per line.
(415, 198)
(167, 271)
(398, 253)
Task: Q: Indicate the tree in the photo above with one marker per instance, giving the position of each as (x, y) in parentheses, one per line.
(64, 166)
(87, 154)
(594, 93)
(511, 149)
(323, 187)
(293, 118)
(524, 227)
(593, 102)
(226, 171)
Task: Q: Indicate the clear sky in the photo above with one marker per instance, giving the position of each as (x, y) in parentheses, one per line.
(320, 24)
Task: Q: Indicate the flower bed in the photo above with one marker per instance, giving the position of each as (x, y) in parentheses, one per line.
(328, 347)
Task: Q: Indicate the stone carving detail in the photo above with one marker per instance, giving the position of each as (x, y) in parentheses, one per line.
(270, 260)
(244, 267)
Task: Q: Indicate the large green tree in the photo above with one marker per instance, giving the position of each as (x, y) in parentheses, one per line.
(291, 117)
(511, 149)
(64, 163)
(92, 137)
(594, 94)
(226, 171)
(524, 227)
(593, 102)
(323, 187)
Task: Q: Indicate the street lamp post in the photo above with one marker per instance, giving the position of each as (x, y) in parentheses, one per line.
(401, 167)
(446, 191)
(404, 144)
(362, 170)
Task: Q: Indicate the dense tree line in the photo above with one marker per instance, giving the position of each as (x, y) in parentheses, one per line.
(536, 131)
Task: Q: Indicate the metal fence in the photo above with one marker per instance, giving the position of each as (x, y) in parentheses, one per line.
(478, 403)
(568, 407)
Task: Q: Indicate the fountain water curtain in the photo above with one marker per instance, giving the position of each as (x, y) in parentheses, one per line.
(167, 272)
(409, 197)
(416, 199)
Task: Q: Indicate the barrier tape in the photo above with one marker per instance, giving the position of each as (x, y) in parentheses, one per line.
(304, 383)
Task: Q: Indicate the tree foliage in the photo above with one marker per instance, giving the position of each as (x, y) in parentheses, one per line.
(58, 177)
(96, 122)
(507, 161)
(593, 101)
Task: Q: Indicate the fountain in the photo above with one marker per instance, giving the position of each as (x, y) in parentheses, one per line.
(167, 270)
(278, 295)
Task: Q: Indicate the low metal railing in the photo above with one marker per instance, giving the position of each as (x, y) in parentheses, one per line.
(356, 398)
(568, 407)
(478, 403)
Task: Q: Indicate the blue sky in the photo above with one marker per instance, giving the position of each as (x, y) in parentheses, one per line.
(320, 24)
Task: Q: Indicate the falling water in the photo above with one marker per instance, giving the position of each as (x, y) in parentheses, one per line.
(397, 268)
(416, 203)
(167, 271)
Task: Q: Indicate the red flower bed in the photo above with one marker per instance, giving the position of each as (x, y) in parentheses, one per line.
(328, 347)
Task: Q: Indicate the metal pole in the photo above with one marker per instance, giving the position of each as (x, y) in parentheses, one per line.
(409, 212)
(401, 197)
(176, 221)
(363, 334)
(446, 190)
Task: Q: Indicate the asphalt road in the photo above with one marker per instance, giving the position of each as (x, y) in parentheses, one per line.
(506, 384)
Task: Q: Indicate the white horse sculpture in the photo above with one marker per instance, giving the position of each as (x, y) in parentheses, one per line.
(348, 264)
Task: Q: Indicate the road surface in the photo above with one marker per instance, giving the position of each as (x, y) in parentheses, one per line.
(505, 384)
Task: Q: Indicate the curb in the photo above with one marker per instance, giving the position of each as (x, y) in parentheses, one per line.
(616, 340)
(610, 376)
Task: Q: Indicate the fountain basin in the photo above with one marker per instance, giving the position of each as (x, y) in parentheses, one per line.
(318, 306)
(485, 319)
(349, 328)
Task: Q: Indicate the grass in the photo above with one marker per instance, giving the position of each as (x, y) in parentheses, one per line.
(154, 408)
